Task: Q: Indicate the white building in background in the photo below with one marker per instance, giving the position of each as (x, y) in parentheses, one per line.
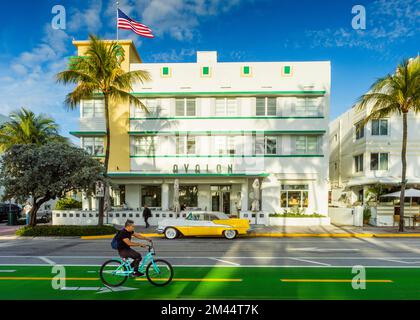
(216, 127)
(361, 157)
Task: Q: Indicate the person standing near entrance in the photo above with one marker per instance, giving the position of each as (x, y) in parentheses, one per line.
(146, 215)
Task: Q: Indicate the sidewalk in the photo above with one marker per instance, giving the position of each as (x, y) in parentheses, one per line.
(8, 232)
(331, 231)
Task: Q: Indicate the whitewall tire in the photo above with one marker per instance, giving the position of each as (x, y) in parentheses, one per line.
(229, 234)
(171, 233)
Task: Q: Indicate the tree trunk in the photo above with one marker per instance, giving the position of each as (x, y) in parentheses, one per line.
(107, 147)
(403, 173)
(32, 213)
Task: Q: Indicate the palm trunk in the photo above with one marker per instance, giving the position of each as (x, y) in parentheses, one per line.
(403, 173)
(107, 147)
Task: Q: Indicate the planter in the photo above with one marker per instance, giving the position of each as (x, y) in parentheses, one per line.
(282, 221)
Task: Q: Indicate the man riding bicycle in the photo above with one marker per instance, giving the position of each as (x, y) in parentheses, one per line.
(125, 244)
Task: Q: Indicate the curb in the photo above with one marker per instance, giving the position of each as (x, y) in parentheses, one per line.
(157, 235)
(291, 235)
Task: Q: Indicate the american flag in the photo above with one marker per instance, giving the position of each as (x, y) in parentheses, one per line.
(125, 22)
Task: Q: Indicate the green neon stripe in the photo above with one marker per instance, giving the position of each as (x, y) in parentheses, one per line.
(228, 93)
(227, 132)
(140, 174)
(230, 156)
(87, 133)
(217, 118)
(222, 93)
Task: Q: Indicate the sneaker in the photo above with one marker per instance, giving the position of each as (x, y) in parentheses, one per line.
(138, 274)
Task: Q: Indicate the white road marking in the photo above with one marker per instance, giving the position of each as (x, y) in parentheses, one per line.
(45, 259)
(400, 261)
(310, 261)
(8, 271)
(225, 261)
(315, 249)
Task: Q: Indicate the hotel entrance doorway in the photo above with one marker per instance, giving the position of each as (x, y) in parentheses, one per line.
(220, 198)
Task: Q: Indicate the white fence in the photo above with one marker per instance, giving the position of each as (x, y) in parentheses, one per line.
(73, 217)
(346, 216)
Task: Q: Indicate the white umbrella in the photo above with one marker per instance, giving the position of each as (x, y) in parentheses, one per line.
(176, 195)
(409, 193)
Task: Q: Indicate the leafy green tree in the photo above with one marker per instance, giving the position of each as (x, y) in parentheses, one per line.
(99, 71)
(24, 127)
(397, 93)
(45, 172)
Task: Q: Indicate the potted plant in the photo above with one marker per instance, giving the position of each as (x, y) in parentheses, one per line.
(366, 215)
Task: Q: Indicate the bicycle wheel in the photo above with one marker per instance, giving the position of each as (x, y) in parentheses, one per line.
(160, 273)
(113, 273)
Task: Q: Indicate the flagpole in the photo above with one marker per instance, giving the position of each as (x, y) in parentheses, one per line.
(117, 19)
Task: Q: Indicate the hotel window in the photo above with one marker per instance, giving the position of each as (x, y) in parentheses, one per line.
(224, 144)
(152, 106)
(294, 195)
(185, 145)
(151, 196)
(358, 163)
(379, 161)
(265, 144)
(360, 130)
(226, 107)
(266, 107)
(145, 145)
(93, 108)
(308, 107)
(380, 127)
(188, 195)
(306, 145)
(93, 145)
(185, 107)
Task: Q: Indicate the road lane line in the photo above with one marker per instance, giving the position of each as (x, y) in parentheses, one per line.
(334, 280)
(225, 261)
(49, 261)
(47, 278)
(197, 279)
(310, 261)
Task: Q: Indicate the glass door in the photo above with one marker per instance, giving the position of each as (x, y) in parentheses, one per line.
(220, 198)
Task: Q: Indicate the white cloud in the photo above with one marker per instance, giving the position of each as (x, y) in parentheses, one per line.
(387, 22)
(178, 18)
(172, 56)
(89, 19)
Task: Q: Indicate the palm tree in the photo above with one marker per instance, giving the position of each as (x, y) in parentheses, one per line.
(24, 127)
(99, 71)
(396, 93)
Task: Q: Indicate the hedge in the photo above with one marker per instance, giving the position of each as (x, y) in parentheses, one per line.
(63, 231)
(295, 215)
(68, 203)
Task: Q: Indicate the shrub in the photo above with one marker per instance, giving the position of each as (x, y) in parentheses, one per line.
(68, 203)
(366, 214)
(295, 215)
(63, 231)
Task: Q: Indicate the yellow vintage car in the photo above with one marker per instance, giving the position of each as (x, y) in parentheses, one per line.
(204, 224)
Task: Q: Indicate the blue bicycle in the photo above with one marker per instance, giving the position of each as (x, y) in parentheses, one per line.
(115, 272)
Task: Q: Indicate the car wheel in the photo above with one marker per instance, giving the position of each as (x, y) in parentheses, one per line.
(229, 234)
(171, 233)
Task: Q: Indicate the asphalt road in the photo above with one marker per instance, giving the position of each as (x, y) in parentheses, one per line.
(291, 252)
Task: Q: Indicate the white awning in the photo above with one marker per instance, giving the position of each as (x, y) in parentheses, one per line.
(409, 193)
(381, 180)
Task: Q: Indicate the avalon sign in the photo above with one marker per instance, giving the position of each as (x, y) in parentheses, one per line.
(186, 168)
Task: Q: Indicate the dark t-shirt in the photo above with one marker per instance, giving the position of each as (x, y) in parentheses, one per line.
(124, 234)
(147, 213)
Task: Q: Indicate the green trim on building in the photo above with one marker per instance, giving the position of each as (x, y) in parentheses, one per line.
(140, 174)
(227, 132)
(219, 118)
(236, 93)
(231, 156)
(88, 133)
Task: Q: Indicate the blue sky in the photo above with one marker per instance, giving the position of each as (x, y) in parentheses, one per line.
(32, 52)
